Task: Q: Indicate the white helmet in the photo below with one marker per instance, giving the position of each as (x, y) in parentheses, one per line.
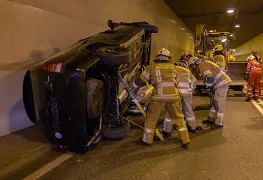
(183, 56)
(192, 60)
(164, 55)
(250, 57)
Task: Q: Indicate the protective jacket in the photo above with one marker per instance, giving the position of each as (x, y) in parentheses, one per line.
(220, 61)
(163, 77)
(213, 75)
(186, 81)
(253, 66)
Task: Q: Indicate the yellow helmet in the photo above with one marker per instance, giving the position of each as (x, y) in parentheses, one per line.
(218, 47)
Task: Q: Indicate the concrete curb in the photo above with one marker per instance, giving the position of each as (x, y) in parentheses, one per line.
(26, 158)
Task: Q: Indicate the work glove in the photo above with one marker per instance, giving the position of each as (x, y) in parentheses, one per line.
(246, 76)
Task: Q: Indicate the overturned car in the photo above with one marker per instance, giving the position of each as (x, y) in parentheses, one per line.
(76, 94)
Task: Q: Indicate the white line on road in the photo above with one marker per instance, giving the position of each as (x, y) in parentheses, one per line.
(48, 167)
(258, 106)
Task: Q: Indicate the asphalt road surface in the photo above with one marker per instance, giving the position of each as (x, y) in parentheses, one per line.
(232, 153)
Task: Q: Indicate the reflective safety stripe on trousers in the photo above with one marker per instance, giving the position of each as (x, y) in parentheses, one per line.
(212, 113)
(190, 119)
(220, 116)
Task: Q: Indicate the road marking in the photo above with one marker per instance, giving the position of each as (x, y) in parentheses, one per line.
(260, 101)
(48, 167)
(258, 106)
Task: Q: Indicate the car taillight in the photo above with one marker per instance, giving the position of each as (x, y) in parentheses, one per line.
(54, 67)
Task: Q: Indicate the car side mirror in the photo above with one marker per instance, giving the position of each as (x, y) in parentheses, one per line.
(111, 25)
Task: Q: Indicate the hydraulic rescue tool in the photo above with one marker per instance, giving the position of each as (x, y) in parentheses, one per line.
(130, 92)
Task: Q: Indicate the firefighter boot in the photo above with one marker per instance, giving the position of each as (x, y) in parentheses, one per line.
(216, 126)
(142, 143)
(186, 145)
(191, 129)
(207, 122)
(248, 99)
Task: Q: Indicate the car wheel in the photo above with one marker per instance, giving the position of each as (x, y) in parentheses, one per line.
(148, 28)
(115, 133)
(95, 97)
(114, 55)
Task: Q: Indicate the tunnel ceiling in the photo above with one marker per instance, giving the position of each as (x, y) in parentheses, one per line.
(248, 13)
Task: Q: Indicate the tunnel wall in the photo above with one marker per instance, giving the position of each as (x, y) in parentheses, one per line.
(34, 29)
(243, 51)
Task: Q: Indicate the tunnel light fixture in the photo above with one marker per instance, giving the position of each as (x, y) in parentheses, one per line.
(211, 31)
(231, 35)
(237, 25)
(224, 40)
(234, 50)
(230, 10)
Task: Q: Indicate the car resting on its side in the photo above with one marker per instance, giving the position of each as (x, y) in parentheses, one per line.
(76, 94)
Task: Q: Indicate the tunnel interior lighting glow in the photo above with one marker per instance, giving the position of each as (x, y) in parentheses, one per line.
(183, 29)
(224, 40)
(211, 31)
(230, 10)
(234, 50)
(237, 25)
(231, 35)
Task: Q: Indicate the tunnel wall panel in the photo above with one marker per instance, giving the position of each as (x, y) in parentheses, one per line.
(34, 29)
(243, 51)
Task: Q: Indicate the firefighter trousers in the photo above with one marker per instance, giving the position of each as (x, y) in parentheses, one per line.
(217, 111)
(174, 110)
(188, 110)
(254, 79)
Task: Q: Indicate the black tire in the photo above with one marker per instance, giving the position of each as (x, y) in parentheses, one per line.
(28, 98)
(95, 97)
(148, 28)
(117, 132)
(114, 55)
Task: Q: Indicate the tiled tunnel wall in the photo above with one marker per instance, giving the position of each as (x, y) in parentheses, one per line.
(34, 29)
(243, 51)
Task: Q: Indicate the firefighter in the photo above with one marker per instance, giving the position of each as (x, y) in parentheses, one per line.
(253, 75)
(218, 82)
(162, 74)
(219, 57)
(186, 86)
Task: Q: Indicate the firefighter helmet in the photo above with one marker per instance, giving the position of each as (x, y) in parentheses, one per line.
(218, 47)
(192, 61)
(164, 55)
(184, 56)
